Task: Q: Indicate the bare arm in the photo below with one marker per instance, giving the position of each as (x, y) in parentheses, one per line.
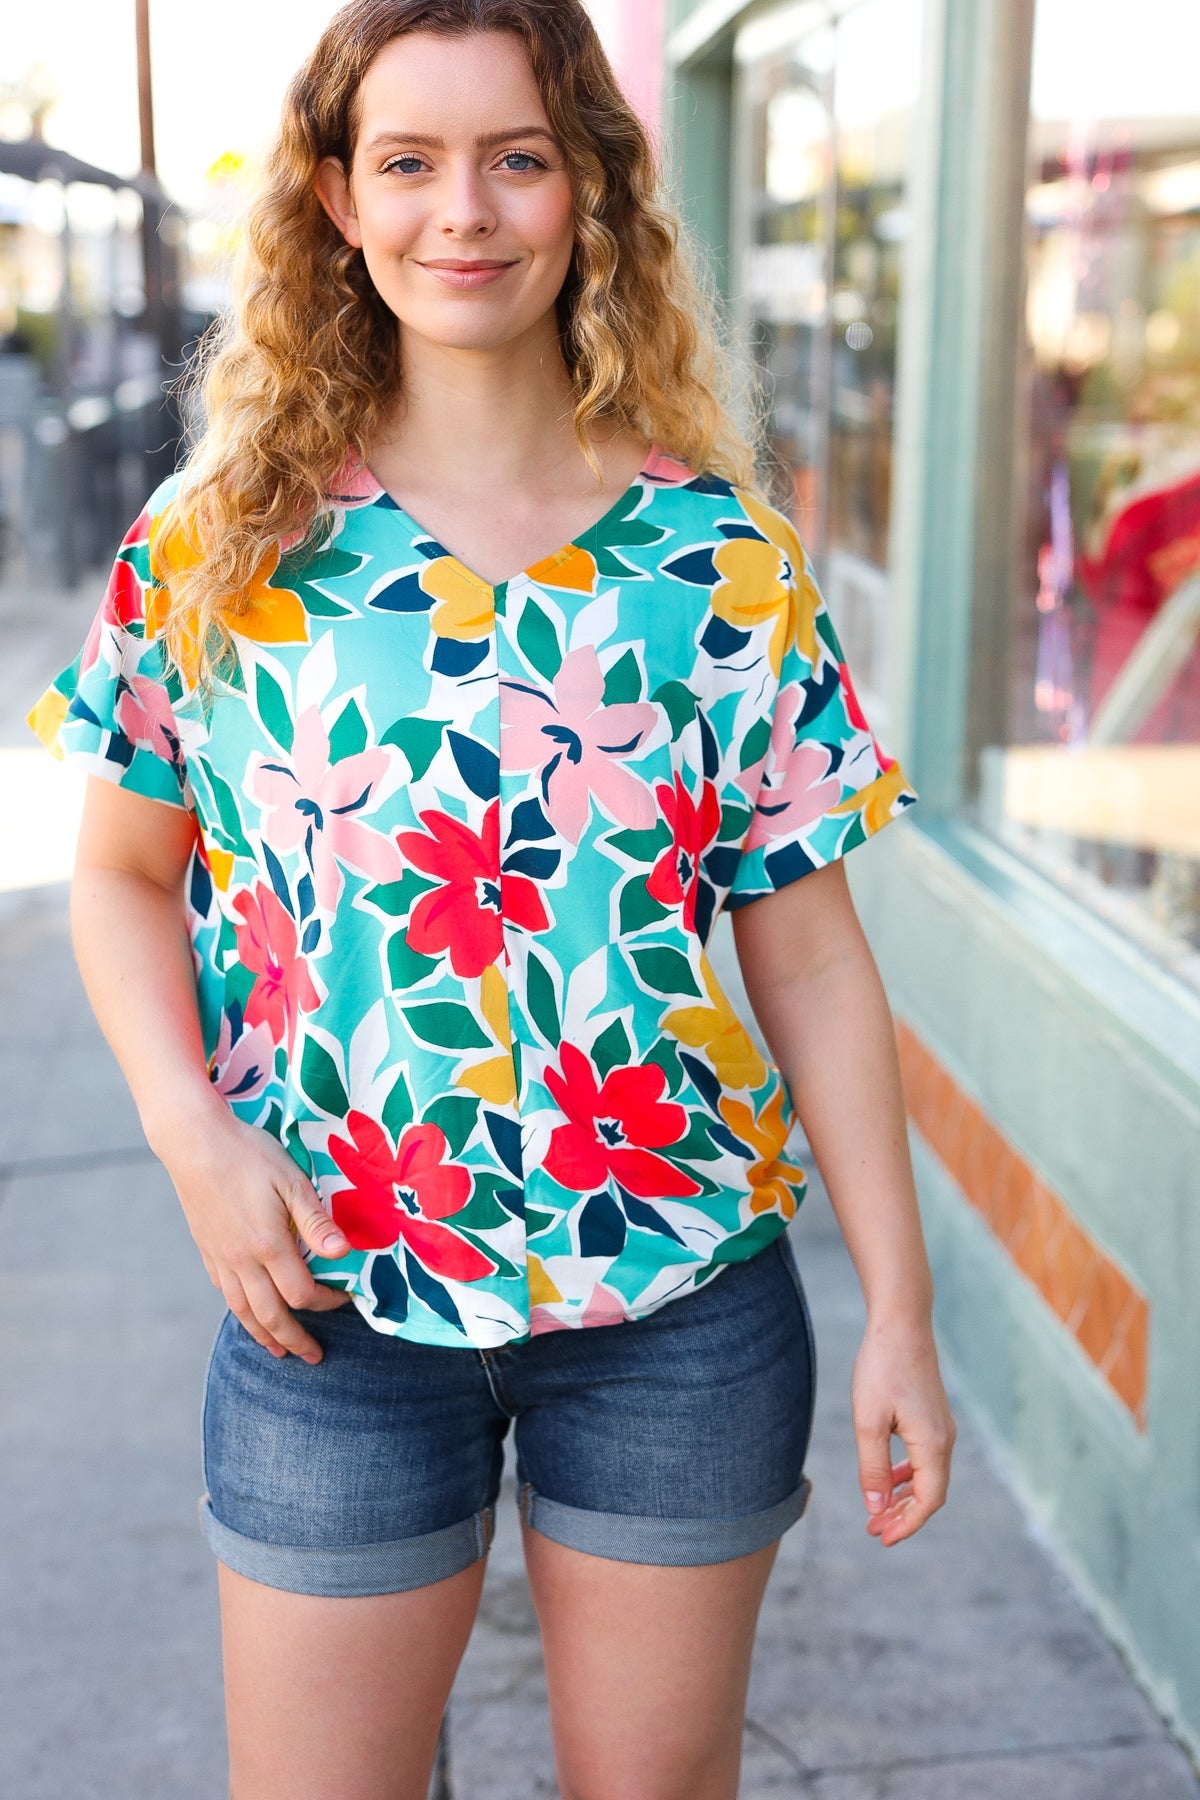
(816, 992)
(240, 1190)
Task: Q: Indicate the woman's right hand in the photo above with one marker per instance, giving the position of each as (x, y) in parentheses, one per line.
(247, 1204)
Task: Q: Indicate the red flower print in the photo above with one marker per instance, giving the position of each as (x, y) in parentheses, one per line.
(404, 1193)
(463, 916)
(122, 603)
(266, 945)
(676, 874)
(614, 1129)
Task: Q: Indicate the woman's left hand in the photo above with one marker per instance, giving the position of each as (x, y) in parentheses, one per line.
(897, 1387)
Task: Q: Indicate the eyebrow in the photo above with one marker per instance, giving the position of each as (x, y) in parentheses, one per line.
(487, 142)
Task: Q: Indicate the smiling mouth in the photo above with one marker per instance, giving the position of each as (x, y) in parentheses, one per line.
(467, 275)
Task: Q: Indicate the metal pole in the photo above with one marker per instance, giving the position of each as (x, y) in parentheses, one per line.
(145, 90)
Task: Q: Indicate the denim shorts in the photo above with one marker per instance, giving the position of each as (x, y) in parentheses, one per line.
(676, 1439)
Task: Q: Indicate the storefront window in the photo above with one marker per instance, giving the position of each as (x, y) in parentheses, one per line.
(1099, 781)
(827, 95)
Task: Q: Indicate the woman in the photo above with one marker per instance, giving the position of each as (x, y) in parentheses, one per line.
(435, 1030)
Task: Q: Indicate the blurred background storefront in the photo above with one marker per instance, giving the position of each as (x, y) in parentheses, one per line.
(959, 242)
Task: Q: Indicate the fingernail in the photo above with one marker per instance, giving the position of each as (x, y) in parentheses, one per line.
(875, 1502)
(336, 1244)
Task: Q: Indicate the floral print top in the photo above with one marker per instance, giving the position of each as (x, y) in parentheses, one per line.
(460, 851)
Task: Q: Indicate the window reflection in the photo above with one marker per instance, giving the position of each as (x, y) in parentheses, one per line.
(1101, 780)
(826, 130)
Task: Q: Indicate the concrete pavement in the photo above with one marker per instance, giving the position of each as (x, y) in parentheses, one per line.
(957, 1666)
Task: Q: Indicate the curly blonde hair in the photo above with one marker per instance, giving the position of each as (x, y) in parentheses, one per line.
(304, 370)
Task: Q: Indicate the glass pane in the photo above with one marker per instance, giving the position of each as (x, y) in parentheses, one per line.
(784, 275)
(1100, 778)
(826, 132)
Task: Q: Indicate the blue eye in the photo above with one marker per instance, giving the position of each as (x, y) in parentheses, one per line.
(396, 162)
(525, 156)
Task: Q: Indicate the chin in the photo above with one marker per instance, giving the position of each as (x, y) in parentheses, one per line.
(451, 333)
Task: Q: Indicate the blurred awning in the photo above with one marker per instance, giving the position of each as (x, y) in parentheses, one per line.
(33, 160)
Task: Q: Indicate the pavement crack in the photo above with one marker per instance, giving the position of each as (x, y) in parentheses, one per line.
(1010, 1753)
(784, 1751)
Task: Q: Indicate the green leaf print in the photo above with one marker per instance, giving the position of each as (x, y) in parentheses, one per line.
(138, 558)
(398, 1109)
(638, 907)
(483, 1212)
(419, 739)
(696, 1145)
(679, 703)
(754, 744)
(321, 1081)
(397, 898)
(623, 681)
(300, 570)
(543, 1002)
(406, 966)
(446, 1025)
(455, 1114)
(756, 1236)
(828, 635)
(228, 823)
(664, 970)
(273, 708)
(641, 846)
(538, 641)
(349, 734)
(666, 1056)
(612, 1049)
(735, 822)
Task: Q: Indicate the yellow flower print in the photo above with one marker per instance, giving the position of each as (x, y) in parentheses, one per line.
(783, 535)
(542, 1291)
(46, 717)
(572, 568)
(718, 1030)
(495, 1079)
(752, 592)
(466, 607)
(265, 614)
(770, 1178)
(876, 799)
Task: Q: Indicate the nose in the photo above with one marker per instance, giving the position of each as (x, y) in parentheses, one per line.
(465, 205)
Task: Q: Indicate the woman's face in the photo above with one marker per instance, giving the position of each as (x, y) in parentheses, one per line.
(458, 194)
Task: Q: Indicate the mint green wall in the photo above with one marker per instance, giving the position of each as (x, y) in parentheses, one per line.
(1083, 1056)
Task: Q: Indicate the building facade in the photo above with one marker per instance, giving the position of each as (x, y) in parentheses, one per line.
(960, 245)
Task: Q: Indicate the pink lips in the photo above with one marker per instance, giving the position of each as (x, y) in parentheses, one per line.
(467, 274)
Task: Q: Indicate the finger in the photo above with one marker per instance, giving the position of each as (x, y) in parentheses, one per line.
(874, 1464)
(923, 1496)
(273, 1314)
(239, 1306)
(292, 1276)
(311, 1220)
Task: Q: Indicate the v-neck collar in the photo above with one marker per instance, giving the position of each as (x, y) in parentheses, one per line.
(536, 570)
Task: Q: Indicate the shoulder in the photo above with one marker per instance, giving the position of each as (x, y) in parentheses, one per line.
(722, 509)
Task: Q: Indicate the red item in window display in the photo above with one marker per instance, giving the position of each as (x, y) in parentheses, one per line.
(1142, 548)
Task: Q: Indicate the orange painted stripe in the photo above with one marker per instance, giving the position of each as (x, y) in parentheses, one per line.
(1098, 1304)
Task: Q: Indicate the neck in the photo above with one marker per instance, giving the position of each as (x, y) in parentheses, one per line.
(483, 420)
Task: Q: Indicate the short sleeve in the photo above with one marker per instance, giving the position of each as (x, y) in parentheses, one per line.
(111, 711)
(825, 784)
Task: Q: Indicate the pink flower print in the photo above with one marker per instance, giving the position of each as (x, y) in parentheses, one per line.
(578, 745)
(799, 787)
(267, 946)
(311, 803)
(241, 1068)
(144, 715)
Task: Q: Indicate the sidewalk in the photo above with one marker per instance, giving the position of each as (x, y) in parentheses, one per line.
(956, 1666)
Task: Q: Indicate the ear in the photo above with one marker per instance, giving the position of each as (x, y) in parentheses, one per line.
(333, 191)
